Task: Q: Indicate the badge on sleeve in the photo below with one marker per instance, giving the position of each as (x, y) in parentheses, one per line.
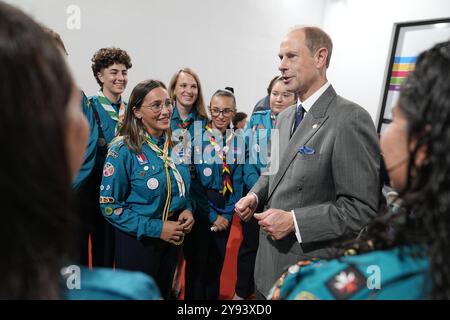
(112, 153)
(346, 283)
(152, 183)
(207, 172)
(108, 169)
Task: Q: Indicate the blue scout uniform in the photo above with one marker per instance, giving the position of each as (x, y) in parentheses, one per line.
(133, 190)
(383, 275)
(259, 120)
(204, 265)
(89, 156)
(133, 194)
(106, 115)
(178, 127)
(210, 175)
(108, 284)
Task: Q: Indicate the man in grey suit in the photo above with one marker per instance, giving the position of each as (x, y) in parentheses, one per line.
(327, 184)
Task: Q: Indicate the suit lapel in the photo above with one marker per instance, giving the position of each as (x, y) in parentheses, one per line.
(311, 123)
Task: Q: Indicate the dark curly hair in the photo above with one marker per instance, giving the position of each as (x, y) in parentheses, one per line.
(106, 57)
(424, 215)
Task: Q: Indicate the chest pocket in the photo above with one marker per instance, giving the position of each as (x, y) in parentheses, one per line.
(149, 180)
(205, 173)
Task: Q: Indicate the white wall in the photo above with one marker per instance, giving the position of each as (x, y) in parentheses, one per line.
(361, 31)
(235, 42)
(229, 43)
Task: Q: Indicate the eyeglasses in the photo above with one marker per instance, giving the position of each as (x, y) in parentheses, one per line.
(157, 106)
(286, 95)
(215, 112)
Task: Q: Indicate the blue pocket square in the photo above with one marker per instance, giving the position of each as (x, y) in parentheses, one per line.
(306, 150)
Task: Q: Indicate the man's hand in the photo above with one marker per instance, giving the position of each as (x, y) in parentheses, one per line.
(246, 206)
(277, 223)
(186, 220)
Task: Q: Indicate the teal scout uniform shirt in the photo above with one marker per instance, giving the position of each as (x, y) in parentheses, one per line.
(108, 284)
(384, 275)
(178, 126)
(89, 156)
(260, 127)
(209, 173)
(133, 190)
(106, 128)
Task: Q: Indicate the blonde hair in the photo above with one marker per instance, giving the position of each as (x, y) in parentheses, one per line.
(199, 104)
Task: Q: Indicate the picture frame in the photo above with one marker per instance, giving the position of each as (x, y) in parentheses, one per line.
(409, 39)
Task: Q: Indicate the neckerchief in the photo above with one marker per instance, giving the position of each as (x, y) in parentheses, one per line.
(107, 106)
(227, 186)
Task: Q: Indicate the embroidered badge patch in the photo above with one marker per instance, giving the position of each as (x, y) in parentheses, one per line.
(142, 159)
(152, 183)
(108, 169)
(112, 153)
(104, 200)
(305, 295)
(346, 283)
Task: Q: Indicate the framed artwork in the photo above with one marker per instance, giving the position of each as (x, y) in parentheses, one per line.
(409, 39)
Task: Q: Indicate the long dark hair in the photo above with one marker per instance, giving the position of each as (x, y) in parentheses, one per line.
(424, 215)
(425, 101)
(35, 177)
(133, 129)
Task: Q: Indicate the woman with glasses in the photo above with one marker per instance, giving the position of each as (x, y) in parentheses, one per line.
(144, 194)
(220, 175)
(259, 127)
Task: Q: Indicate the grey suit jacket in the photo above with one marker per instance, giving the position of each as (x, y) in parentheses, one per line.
(333, 192)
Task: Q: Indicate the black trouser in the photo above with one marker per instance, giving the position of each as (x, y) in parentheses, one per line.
(152, 256)
(93, 223)
(204, 251)
(245, 283)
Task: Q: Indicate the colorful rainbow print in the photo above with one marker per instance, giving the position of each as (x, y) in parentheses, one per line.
(402, 67)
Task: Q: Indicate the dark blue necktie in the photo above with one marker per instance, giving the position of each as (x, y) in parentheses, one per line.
(298, 117)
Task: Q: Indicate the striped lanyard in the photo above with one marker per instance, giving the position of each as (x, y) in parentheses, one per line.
(163, 154)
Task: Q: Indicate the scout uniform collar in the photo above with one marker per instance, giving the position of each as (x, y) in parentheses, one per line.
(111, 111)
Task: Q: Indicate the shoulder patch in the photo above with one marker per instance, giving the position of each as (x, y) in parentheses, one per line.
(108, 169)
(346, 283)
